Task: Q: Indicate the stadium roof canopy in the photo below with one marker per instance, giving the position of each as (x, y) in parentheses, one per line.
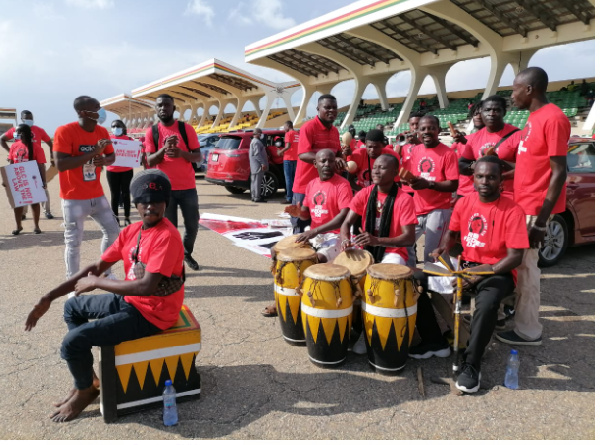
(370, 41)
(127, 107)
(216, 83)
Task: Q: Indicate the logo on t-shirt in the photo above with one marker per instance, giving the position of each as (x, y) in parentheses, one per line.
(484, 148)
(427, 167)
(524, 136)
(86, 148)
(478, 227)
(319, 200)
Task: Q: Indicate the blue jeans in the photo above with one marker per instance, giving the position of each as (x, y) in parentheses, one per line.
(297, 223)
(116, 321)
(289, 170)
(187, 200)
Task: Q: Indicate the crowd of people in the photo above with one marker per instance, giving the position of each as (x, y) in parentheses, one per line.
(492, 193)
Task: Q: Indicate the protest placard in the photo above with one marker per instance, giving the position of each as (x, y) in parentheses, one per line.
(127, 153)
(23, 184)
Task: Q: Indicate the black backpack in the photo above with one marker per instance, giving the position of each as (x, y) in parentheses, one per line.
(182, 132)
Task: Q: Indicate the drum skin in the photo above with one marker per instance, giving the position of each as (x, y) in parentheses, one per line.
(389, 310)
(290, 265)
(357, 261)
(326, 309)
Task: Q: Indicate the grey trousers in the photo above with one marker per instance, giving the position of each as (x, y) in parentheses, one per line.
(434, 224)
(255, 182)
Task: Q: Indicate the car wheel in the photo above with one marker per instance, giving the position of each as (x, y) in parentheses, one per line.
(555, 242)
(269, 185)
(234, 190)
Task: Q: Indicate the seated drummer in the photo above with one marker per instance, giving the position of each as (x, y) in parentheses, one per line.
(326, 202)
(493, 233)
(119, 318)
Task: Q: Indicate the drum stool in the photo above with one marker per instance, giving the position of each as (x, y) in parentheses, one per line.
(133, 373)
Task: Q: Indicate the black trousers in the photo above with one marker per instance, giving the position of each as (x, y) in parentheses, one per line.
(118, 182)
(489, 293)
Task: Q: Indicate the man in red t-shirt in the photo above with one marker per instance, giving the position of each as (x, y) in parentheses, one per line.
(540, 190)
(493, 233)
(172, 155)
(290, 159)
(496, 138)
(316, 134)
(39, 136)
(434, 167)
(465, 179)
(81, 149)
(131, 310)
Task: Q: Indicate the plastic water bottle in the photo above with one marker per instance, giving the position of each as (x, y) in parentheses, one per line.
(511, 379)
(170, 404)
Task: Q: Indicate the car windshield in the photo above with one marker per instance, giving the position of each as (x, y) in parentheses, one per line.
(581, 157)
(228, 142)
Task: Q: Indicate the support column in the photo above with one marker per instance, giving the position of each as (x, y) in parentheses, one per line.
(222, 106)
(438, 74)
(288, 103)
(265, 113)
(524, 57)
(307, 93)
(360, 83)
(238, 112)
(379, 82)
(418, 76)
(205, 108)
(256, 103)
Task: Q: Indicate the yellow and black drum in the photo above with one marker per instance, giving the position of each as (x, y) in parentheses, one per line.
(326, 309)
(389, 309)
(288, 274)
(357, 261)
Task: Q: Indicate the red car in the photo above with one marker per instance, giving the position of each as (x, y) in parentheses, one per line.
(229, 163)
(576, 225)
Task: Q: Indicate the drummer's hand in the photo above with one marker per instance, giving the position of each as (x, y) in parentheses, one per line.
(294, 210)
(480, 268)
(366, 239)
(435, 253)
(340, 165)
(346, 244)
(36, 313)
(305, 236)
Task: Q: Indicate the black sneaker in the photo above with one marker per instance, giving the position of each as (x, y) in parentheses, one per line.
(49, 215)
(427, 350)
(469, 378)
(512, 338)
(191, 262)
(509, 311)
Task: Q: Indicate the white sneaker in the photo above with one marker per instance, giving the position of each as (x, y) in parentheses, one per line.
(360, 347)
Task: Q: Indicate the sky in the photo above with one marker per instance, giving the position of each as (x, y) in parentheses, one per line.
(56, 50)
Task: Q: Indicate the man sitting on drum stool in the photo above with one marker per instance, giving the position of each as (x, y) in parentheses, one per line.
(326, 202)
(388, 219)
(493, 233)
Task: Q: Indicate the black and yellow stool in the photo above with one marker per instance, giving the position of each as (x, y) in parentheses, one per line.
(133, 373)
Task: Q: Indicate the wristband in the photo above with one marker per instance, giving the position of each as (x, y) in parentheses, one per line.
(541, 229)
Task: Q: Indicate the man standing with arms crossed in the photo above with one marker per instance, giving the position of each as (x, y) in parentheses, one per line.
(259, 164)
(290, 159)
(39, 136)
(179, 149)
(81, 149)
(539, 188)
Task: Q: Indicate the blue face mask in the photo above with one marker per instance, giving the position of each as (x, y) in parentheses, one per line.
(101, 116)
(28, 122)
(17, 136)
(117, 131)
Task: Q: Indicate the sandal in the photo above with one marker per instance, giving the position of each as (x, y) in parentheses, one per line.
(269, 311)
(37, 231)
(17, 231)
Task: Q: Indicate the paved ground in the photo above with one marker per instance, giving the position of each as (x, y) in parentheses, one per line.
(255, 386)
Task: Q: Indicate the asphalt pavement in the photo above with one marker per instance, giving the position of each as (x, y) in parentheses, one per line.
(256, 386)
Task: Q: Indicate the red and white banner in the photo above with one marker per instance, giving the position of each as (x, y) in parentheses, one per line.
(23, 184)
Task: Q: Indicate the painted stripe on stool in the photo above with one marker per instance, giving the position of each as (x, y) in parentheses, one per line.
(325, 313)
(285, 291)
(388, 312)
(155, 353)
(155, 399)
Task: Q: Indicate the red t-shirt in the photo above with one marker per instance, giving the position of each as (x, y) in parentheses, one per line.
(161, 250)
(314, 136)
(291, 137)
(434, 164)
(359, 144)
(365, 165)
(114, 169)
(546, 134)
(180, 172)
(406, 153)
(404, 214)
(487, 230)
(325, 199)
(39, 135)
(80, 182)
(479, 142)
(18, 152)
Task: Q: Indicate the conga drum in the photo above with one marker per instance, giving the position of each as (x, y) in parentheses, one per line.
(357, 261)
(288, 275)
(389, 309)
(326, 310)
(285, 243)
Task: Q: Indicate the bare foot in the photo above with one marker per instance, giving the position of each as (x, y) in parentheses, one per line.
(72, 391)
(76, 404)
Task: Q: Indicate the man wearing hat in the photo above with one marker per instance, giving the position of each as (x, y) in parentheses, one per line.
(132, 309)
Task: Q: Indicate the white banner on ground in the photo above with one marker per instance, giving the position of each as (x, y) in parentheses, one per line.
(127, 153)
(23, 184)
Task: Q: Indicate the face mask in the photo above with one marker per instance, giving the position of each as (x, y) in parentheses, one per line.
(101, 116)
(17, 136)
(117, 131)
(28, 122)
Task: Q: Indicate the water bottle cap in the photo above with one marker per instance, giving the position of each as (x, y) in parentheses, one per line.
(168, 383)
(514, 351)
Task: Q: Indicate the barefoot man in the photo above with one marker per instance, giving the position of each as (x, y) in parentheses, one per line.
(132, 309)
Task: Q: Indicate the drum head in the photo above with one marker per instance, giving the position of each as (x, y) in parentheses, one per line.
(327, 272)
(389, 271)
(296, 254)
(356, 260)
(288, 242)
